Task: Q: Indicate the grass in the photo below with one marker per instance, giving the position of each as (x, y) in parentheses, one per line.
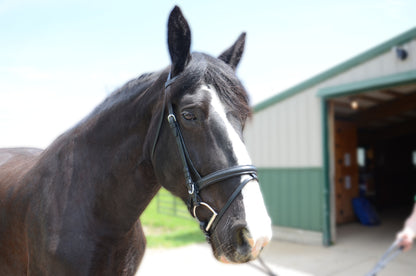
(169, 230)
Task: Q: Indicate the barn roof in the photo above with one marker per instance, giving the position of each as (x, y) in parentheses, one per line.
(355, 61)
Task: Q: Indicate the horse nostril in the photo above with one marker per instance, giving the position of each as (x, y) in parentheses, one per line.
(247, 248)
(244, 241)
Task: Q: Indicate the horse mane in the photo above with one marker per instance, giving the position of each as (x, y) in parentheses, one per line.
(130, 90)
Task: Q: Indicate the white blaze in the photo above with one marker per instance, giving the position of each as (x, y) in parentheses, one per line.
(257, 218)
(258, 221)
(238, 146)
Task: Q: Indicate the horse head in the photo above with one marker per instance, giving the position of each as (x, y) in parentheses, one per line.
(199, 154)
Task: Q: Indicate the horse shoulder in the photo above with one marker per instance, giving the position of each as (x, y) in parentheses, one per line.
(125, 256)
(14, 164)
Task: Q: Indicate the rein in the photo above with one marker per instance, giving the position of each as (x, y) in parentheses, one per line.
(263, 267)
(392, 252)
(200, 183)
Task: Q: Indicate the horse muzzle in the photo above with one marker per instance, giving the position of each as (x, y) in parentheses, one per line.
(243, 247)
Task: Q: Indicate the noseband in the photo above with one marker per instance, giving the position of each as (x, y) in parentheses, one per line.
(201, 182)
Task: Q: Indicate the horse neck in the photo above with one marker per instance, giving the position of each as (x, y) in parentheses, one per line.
(108, 164)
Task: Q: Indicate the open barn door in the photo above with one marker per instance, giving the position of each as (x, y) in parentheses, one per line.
(346, 170)
(380, 123)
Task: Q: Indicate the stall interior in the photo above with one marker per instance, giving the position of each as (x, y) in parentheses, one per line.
(374, 152)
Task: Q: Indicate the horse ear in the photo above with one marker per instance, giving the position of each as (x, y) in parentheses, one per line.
(179, 41)
(232, 55)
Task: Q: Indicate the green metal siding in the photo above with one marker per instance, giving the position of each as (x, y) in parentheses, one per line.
(294, 196)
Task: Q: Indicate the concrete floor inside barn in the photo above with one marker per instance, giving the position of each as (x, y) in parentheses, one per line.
(357, 250)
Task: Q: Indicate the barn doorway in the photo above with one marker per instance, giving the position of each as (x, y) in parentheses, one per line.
(373, 154)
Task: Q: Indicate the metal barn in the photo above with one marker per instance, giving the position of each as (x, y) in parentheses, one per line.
(347, 132)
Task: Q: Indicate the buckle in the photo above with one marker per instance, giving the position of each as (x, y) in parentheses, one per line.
(191, 189)
(213, 216)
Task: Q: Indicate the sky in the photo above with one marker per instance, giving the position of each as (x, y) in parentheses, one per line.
(60, 59)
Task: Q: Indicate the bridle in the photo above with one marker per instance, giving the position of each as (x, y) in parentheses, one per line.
(201, 182)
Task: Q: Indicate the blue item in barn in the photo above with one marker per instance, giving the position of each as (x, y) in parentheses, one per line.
(365, 211)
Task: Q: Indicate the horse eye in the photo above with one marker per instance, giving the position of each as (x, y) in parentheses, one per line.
(188, 116)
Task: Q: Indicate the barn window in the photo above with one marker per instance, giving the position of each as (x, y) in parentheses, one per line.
(414, 158)
(361, 157)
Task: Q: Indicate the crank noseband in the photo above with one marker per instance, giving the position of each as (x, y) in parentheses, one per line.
(189, 170)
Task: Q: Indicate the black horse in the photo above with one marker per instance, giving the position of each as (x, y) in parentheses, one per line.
(74, 208)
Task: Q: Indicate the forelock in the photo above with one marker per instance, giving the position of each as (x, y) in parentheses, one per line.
(204, 69)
